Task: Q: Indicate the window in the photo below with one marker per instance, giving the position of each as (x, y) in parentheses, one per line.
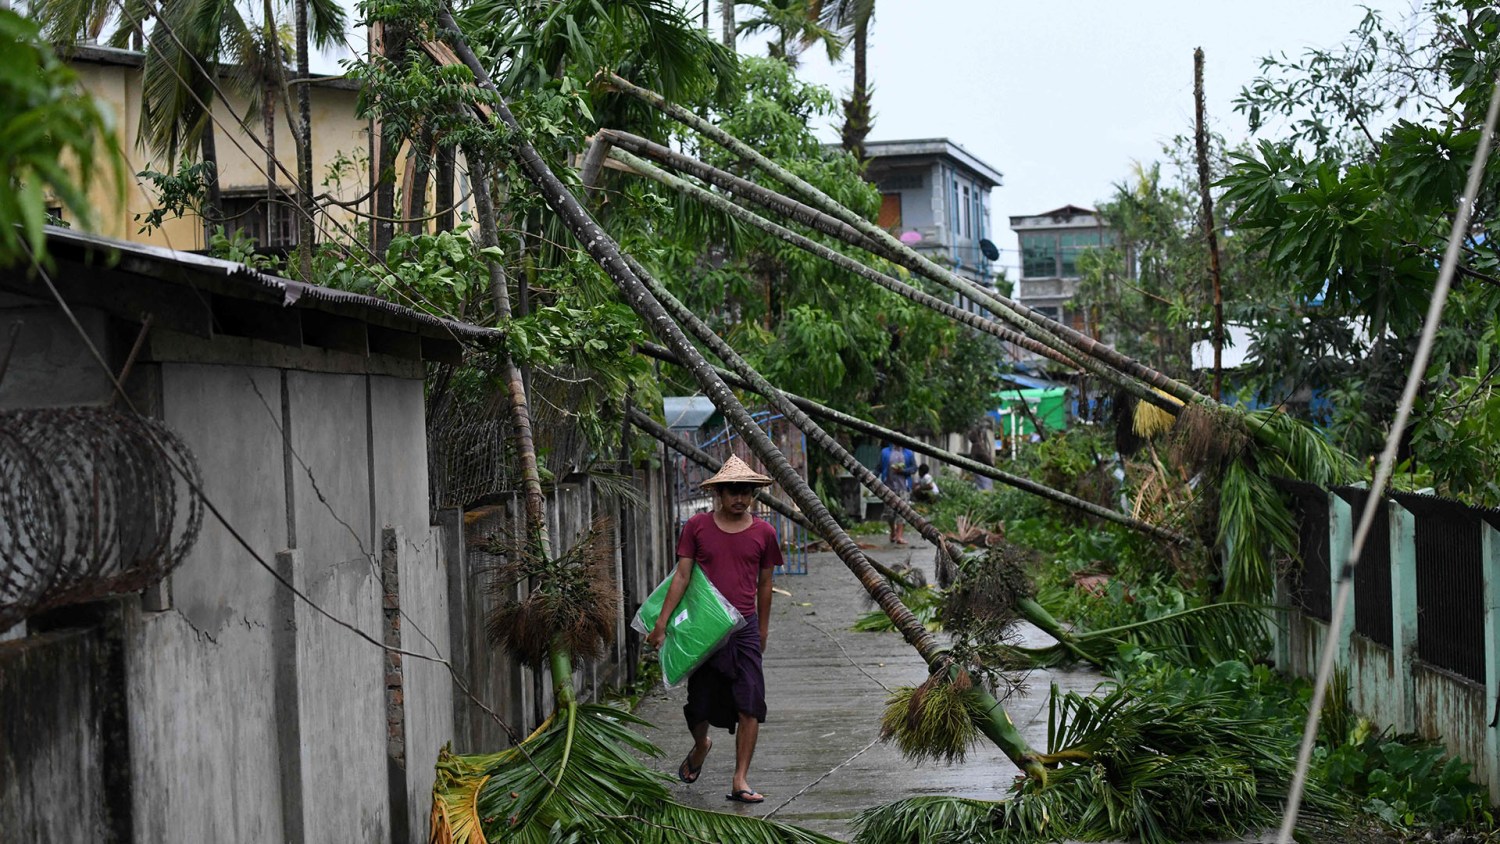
(1070, 246)
(890, 211)
(1048, 312)
(965, 224)
(1038, 255)
(245, 212)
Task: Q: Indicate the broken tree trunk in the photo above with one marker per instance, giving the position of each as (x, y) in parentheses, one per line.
(893, 249)
(607, 254)
(838, 259)
(969, 464)
(820, 221)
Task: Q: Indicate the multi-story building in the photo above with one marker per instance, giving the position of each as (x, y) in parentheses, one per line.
(935, 195)
(340, 153)
(1050, 245)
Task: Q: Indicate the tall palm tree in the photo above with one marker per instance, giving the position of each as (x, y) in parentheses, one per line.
(852, 18)
(795, 25)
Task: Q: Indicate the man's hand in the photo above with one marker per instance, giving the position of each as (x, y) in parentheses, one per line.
(656, 637)
(765, 636)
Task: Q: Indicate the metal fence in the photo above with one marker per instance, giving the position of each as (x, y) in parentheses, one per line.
(1450, 584)
(1372, 577)
(690, 498)
(1309, 576)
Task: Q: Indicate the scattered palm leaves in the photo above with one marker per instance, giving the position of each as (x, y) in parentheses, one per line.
(970, 531)
(580, 777)
(925, 602)
(1151, 765)
(933, 721)
(1255, 525)
(573, 598)
(1198, 636)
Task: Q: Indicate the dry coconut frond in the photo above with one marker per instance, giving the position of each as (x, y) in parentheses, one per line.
(573, 598)
(935, 720)
(1202, 438)
(987, 589)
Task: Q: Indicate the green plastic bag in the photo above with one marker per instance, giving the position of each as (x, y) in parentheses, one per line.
(702, 622)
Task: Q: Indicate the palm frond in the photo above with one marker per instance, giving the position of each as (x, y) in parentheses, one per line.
(1156, 766)
(580, 777)
(936, 720)
(925, 602)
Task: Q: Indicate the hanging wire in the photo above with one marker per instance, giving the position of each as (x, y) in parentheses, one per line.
(1461, 218)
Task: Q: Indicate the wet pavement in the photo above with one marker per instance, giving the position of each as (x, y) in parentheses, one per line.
(818, 761)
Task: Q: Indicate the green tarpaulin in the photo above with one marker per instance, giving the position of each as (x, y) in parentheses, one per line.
(1049, 406)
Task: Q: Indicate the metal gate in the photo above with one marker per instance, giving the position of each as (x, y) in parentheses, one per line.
(1372, 577)
(690, 498)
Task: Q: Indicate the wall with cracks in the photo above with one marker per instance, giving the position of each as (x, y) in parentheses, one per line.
(219, 705)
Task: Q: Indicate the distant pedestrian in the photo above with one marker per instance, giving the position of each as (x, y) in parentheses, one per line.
(896, 468)
(737, 552)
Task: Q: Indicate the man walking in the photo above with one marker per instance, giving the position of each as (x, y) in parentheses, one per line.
(737, 552)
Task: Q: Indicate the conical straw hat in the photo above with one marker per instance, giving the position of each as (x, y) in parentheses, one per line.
(735, 471)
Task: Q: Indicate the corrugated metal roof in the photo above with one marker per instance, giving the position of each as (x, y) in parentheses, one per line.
(687, 413)
(249, 283)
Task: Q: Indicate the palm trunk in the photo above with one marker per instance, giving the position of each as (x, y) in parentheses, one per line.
(726, 22)
(996, 723)
(889, 247)
(268, 125)
(916, 445)
(536, 502)
(828, 224)
(895, 285)
(606, 253)
(857, 107)
(306, 238)
(416, 191)
(1200, 138)
(213, 206)
(443, 189)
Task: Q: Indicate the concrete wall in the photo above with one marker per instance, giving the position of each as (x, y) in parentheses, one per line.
(243, 712)
(54, 783)
(1390, 686)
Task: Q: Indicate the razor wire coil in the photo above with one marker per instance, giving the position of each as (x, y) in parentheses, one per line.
(93, 502)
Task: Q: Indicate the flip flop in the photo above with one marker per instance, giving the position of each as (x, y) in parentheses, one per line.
(687, 771)
(744, 795)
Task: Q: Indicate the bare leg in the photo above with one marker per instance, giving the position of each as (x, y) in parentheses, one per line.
(746, 733)
(701, 746)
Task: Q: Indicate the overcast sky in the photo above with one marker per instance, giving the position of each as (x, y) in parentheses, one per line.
(1063, 96)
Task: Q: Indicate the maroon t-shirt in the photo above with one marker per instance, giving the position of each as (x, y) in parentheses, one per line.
(732, 561)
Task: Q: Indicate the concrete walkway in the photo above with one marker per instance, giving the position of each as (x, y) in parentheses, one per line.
(827, 687)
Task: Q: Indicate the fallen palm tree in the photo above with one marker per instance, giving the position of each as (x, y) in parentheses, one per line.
(1250, 537)
(1151, 765)
(968, 464)
(627, 276)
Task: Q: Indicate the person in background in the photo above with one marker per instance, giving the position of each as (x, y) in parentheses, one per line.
(737, 552)
(924, 487)
(896, 468)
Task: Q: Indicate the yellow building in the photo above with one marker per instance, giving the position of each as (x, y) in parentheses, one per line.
(340, 139)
